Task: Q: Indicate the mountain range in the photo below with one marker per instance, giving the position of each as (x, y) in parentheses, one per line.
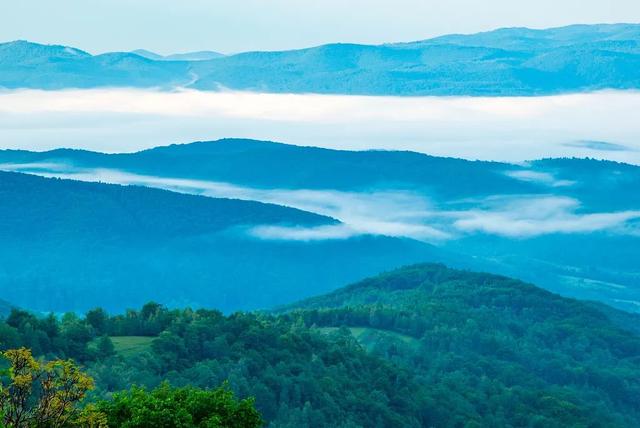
(505, 62)
(569, 225)
(78, 245)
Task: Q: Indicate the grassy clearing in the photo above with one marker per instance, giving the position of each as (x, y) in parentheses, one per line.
(368, 337)
(130, 345)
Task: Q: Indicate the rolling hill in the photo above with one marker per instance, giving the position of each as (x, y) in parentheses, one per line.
(512, 61)
(419, 346)
(69, 245)
(569, 225)
(494, 351)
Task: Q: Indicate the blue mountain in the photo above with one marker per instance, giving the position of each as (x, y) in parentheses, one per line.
(70, 245)
(512, 61)
(599, 264)
(187, 56)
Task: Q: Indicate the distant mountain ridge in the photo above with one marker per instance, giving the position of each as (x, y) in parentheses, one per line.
(504, 62)
(71, 246)
(187, 56)
(597, 265)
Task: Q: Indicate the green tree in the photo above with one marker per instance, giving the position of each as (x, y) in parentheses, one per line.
(105, 347)
(167, 407)
(39, 394)
(97, 318)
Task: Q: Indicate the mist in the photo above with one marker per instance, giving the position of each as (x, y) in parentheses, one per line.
(395, 213)
(600, 125)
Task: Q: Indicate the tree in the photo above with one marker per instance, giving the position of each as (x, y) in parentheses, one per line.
(34, 393)
(97, 318)
(105, 347)
(166, 407)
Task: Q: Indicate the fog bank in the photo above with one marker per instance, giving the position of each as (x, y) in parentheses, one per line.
(601, 125)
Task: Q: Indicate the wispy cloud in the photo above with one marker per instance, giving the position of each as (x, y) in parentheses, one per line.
(390, 213)
(533, 216)
(601, 146)
(539, 177)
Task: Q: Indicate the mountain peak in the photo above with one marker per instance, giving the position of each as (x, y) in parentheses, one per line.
(24, 49)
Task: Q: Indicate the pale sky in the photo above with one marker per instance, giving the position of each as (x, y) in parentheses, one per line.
(168, 26)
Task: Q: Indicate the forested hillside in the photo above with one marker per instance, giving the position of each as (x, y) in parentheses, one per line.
(76, 245)
(568, 225)
(492, 349)
(421, 346)
(298, 376)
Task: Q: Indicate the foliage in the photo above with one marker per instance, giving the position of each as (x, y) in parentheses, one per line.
(298, 376)
(439, 347)
(41, 394)
(179, 407)
(492, 349)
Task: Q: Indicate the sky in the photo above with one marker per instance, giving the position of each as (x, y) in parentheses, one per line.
(228, 26)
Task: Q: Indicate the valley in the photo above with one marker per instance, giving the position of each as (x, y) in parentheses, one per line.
(569, 225)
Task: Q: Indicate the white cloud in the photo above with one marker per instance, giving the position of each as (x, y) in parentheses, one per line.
(507, 128)
(533, 216)
(319, 233)
(539, 177)
(390, 213)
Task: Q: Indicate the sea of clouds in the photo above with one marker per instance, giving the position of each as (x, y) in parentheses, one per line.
(600, 125)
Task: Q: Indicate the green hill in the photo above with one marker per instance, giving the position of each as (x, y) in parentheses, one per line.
(421, 346)
(495, 351)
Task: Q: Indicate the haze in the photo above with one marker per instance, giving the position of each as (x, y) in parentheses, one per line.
(230, 26)
(600, 125)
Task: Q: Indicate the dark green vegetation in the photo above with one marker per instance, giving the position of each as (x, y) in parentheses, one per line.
(589, 265)
(514, 61)
(78, 245)
(53, 394)
(298, 376)
(186, 407)
(440, 347)
(494, 351)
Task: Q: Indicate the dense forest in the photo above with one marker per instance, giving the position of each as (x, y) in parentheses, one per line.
(298, 376)
(421, 346)
(492, 349)
(598, 264)
(78, 245)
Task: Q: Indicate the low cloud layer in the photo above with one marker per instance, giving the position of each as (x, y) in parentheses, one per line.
(600, 146)
(601, 125)
(539, 177)
(390, 213)
(524, 217)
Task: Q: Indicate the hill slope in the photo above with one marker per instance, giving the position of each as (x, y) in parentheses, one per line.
(514, 61)
(439, 347)
(494, 350)
(70, 245)
(5, 308)
(569, 225)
